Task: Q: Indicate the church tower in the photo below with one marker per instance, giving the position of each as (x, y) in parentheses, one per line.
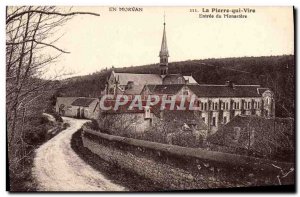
(164, 54)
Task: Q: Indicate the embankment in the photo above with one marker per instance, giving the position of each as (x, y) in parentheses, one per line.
(177, 168)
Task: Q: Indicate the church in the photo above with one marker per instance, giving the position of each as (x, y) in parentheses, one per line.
(218, 104)
(131, 83)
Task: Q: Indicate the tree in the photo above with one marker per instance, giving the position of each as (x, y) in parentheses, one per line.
(30, 32)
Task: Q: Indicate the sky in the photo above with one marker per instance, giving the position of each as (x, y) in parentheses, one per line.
(133, 38)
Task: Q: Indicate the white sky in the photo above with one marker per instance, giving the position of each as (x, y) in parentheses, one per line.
(133, 38)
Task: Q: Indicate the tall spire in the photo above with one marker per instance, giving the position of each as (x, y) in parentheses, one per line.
(164, 53)
(164, 47)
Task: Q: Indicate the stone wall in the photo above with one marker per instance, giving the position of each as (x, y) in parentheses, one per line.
(175, 167)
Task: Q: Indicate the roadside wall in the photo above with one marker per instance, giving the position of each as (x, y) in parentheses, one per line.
(175, 167)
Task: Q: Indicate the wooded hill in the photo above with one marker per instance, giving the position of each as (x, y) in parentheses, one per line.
(274, 72)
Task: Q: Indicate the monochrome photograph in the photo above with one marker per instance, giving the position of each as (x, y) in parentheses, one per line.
(150, 98)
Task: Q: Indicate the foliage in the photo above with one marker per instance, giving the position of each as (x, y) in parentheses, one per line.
(93, 124)
(256, 136)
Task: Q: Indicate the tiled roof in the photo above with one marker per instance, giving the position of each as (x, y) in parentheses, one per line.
(66, 101)
(225, 91)
(261, 90)
(173, 79)
(165, 89)
(83, 102)
(138, 79)
(191, 79)
(135, 89)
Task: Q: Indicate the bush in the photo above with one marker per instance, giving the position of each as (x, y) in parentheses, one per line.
(57, 117)
(44, 120)
(92, 125)
(66, 125)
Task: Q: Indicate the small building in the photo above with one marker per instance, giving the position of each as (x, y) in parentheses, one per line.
(63, 106)
(78, 107)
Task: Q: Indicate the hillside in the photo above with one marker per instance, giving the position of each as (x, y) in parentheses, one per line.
(275, 72)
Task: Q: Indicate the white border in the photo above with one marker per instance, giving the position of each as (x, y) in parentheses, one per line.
(3, 3)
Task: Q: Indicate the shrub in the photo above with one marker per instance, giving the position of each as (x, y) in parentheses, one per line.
(66, 125)
(57, 117)
(92, 125)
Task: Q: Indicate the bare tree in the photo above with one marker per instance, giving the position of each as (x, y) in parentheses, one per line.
(30, 30)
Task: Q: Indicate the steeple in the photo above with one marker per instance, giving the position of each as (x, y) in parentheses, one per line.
(164, 53)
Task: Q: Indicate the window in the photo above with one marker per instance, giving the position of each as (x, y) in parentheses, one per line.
(214, 121)
(245, 105)
(226, 105)
(249, 105)
(201, 106)
(238, 106)
(258, 105)
(225, 120)
(216, 106)
(205, 106)
(185, 92)
(234, 105)
(203, 119)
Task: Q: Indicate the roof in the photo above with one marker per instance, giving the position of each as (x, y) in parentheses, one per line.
(225, 91)
(173, 79)
(138, 79)
(165, 89)
(261, 90)
(83, 102)
(190, 79)
(135, 89)
(67, 101)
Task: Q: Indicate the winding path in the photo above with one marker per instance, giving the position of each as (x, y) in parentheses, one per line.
(58, 168)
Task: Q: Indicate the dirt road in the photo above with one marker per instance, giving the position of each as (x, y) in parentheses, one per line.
(58, 168)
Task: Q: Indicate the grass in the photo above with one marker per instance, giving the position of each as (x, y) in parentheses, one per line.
(131, 181)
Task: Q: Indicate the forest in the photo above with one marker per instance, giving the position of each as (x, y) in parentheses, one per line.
(274, 72)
